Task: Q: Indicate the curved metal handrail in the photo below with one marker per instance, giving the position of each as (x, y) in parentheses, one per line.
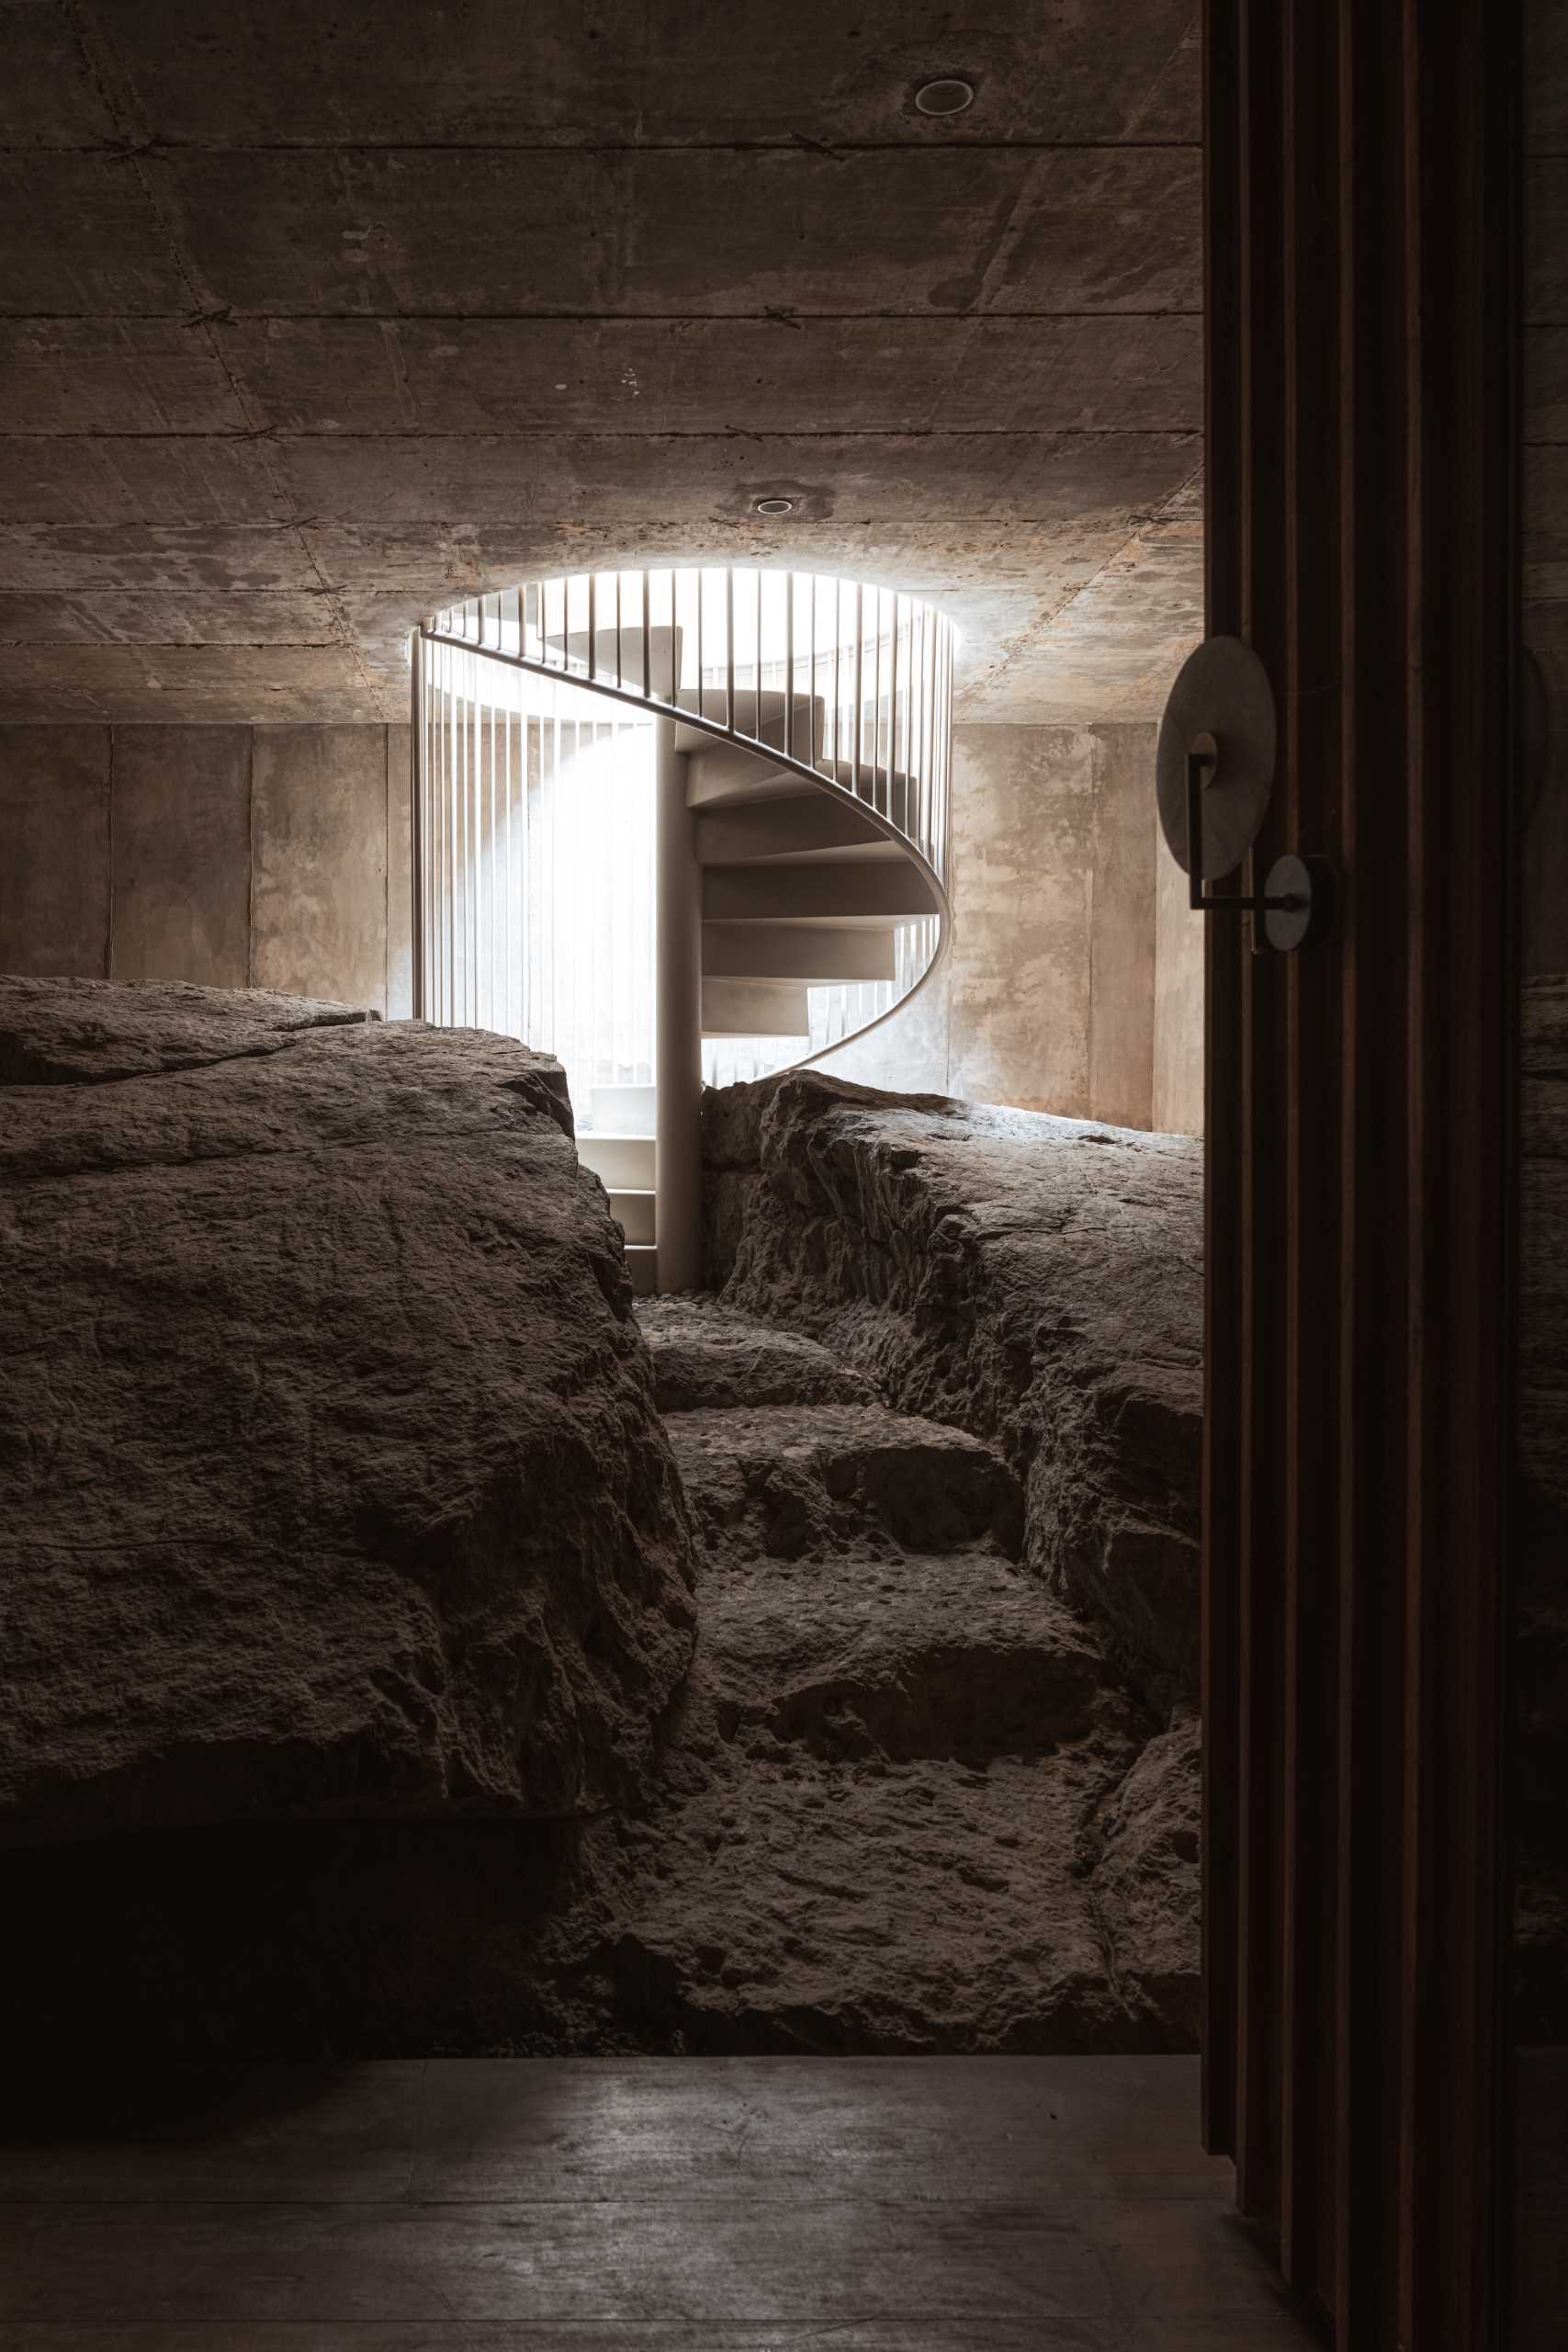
(626, 635)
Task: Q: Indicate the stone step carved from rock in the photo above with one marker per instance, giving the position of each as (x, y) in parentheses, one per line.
(788, 1482)
(704, 1354)
(797, 1904)
(958, 1656)
(1037, 1279)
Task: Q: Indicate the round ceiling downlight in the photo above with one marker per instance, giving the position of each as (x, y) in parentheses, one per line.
(946, 95)
(773, 506)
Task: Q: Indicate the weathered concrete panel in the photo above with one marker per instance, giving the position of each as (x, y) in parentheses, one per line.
(357, 375)
(165, 616)
(92, 242)
(1022, 881)
(399, 901)
(113, 375)
(470, 232)
(54, 872)
(212, 682)
(179, 478)
(182, 855)
(48, 96)
(82, 558)
(1085, 480)
(706, 272)
(911, 1051)
(319, 862)
(1121, 948)
(1178, 1000)
(1112, 648)
(265, 71)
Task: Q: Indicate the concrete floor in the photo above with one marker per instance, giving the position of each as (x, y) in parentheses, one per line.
(724, 2205)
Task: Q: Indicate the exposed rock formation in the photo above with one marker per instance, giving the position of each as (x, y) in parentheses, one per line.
(74, 1032)
(894, 1814)
(1036, 1281)
(346, 1460)
(882, 1827)
(333, 1481)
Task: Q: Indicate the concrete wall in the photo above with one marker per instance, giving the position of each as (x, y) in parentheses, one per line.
(1075, 980)
(234, 857)
(277, 858)
(1179, 1003)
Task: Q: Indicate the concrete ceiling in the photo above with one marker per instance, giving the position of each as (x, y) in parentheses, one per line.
(315, 317)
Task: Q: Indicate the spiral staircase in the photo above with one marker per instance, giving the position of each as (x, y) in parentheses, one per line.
(797, 782)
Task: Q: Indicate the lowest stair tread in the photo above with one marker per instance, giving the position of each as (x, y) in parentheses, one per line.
(796, 1903)
(708, 1356)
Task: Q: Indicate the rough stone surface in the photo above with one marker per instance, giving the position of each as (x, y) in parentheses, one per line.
(69, 1032)
(335, 1484)
(909, 1795)
(889, 1816)
(704, 1356)
(1035, 1280)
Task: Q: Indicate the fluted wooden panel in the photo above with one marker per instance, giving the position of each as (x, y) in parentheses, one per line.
(1358, 237)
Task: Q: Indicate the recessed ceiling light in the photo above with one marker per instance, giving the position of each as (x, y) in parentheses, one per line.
(773, 506)
(946, 95)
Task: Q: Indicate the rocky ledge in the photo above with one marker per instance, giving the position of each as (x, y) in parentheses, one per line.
(335, 1484)
(908, 1804)
(1035, 1280)
(350, 1609)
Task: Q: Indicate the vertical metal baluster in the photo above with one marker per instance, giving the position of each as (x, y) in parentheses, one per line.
(882, 639)
(504, 1024)
(449, 831)
(592, 627)
(459, 742)
(893, 705)
(416, 786)
(946, 745)
(838, 638)
(495, 836)
(553, 997)
(757, 673)
(647, 578)
(729, 647)
(468, 843)
(789, 665)
(620, 679)
(859, 684)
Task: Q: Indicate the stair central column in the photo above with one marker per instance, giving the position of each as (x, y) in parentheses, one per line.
(678, 1040)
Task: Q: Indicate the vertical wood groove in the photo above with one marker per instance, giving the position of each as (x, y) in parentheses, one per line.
(1356, 253)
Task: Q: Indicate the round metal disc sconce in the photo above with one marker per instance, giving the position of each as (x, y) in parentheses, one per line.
(948, 93)
(773, 506)
(1213, 778)
(1222, 706)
